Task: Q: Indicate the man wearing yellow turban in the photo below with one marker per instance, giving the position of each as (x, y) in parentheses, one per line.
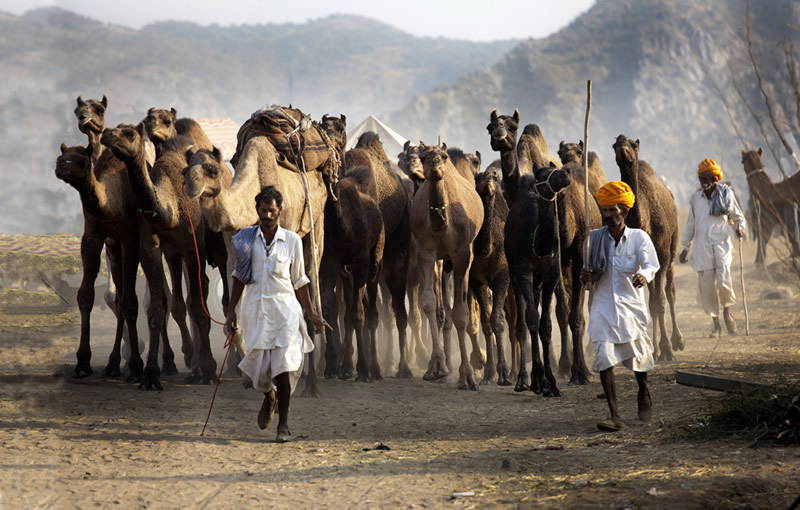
(621, 261)
(710, 210)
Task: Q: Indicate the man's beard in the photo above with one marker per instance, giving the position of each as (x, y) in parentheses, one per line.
(706, 186)
(612, 222)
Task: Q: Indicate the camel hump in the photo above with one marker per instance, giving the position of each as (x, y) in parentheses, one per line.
(192, 129)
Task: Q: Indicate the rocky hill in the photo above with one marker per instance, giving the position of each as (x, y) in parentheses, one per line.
(339, 64)
(650, 63)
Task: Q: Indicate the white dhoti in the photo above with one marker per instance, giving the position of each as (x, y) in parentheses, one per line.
(262, 365)
(636, 355)
(715, 288)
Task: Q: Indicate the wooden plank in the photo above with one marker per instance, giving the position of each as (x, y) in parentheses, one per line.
(713, 382)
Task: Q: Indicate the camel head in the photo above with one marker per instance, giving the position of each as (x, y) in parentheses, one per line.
(409, 162)
(503, 130)
(74, 165)
(488, 185)
(569, 152)
(160, 124)
(91, 115)
(125, 141)
(336, 129)
(626, 151)
(434, 160)
(752, 160)
(551, 180)
(206, 173)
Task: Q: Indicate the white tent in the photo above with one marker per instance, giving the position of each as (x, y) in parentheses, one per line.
(222, 133)
(392, 141)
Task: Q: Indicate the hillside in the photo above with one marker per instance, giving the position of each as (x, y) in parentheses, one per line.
(646, 59)
(338, 64)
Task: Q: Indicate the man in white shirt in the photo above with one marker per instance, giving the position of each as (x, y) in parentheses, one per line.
(269, 261)
(621, 261)
(709, 211)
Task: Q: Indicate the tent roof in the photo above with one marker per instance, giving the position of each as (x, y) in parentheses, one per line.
(222, 133)
(392, 141)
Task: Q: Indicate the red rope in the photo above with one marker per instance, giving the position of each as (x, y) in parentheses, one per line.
(229, 339)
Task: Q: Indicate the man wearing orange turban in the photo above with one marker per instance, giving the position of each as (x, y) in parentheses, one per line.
(710, 210)
(621, 261)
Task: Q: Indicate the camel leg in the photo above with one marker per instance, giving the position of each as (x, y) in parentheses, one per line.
(447, 316)
(395, 276)
(91, 249)
(129, 306)
(480, 293)
(437, 366)
(114, 261)
(546, 381)
(328, 275)
(510, 309)
(580, 372)
(355, 318)
(420, 355)
(177, 307)
(205, 370)
(345, 362)
(677, 337)
(499, 286)
(150, 257)
(478, 357)
(386, 319)
(523, 292)
(659, 312)
(562, 317)
(460, 315)
(372, 323)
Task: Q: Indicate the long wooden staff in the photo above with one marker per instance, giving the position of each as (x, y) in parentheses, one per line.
(744, 292)
(586, 174)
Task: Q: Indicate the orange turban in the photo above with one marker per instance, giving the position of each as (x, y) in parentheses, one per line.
(711, 166)
(615, 192)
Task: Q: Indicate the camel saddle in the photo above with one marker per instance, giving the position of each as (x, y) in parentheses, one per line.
(300, 142)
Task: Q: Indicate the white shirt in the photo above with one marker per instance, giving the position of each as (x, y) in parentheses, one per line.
(271, 314)
(709, 232)
(619, 311)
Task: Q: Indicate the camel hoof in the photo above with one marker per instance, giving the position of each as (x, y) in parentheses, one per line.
(310, 392)
(551, 392)
(187, 359)
(403, 372)
(151, 379)
(82, 371)
(503, 380)
(435, 375)
(477, 360)
(666, 356)
(578, 379)
(677, 342)
(363, 378)
(521, 386)
(169, 369)
(111, 370)
(487, 380)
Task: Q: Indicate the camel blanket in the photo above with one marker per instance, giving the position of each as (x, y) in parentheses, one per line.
(307, 140)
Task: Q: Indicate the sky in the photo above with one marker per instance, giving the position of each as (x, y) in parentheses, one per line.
(482, 20)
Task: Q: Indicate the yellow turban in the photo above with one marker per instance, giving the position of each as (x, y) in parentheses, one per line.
(711, 166)
(615, 192)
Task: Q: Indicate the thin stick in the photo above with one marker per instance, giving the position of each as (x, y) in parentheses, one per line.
(586, 174)
(744, 292)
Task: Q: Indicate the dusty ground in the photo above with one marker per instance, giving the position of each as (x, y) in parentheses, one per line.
(99, 442)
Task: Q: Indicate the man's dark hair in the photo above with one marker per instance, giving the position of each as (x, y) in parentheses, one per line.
(268, 194)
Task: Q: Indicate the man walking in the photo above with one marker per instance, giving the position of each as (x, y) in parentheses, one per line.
(269, 261)
(709, 211)
(621, 261)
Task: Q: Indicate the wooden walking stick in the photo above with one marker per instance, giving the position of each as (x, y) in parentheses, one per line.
(587, 286)
(744, 292)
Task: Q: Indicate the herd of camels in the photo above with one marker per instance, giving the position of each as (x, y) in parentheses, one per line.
(444, 241)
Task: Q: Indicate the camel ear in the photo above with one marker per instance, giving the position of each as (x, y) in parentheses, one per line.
(325, 117)
(580, 144)
(190, 151)
(636, 145)
(173, 112)
(140, 129)
(151, 110)
(478, 155)
(81, 102)
(516, 115)
(561, 145)
(63, 147)
(744, 153)
(421, 145)
(104, 102)
(760, 151)
(552, 165)
(493, 115)
(405, 145)
(444, 146)
(217, 154)
(344, 119)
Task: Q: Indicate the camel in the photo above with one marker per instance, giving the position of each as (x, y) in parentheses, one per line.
(446, 215)
(467, 164)
(161, 125)
(503, 139)
(166, 227)
(532, 151)
(573, 153)
(395, 204)
(354, 244)
(489, 270)
(107, 201)
(656, 213)
(228, 205)
(91, 122)
(772, 204)
(569, 202)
